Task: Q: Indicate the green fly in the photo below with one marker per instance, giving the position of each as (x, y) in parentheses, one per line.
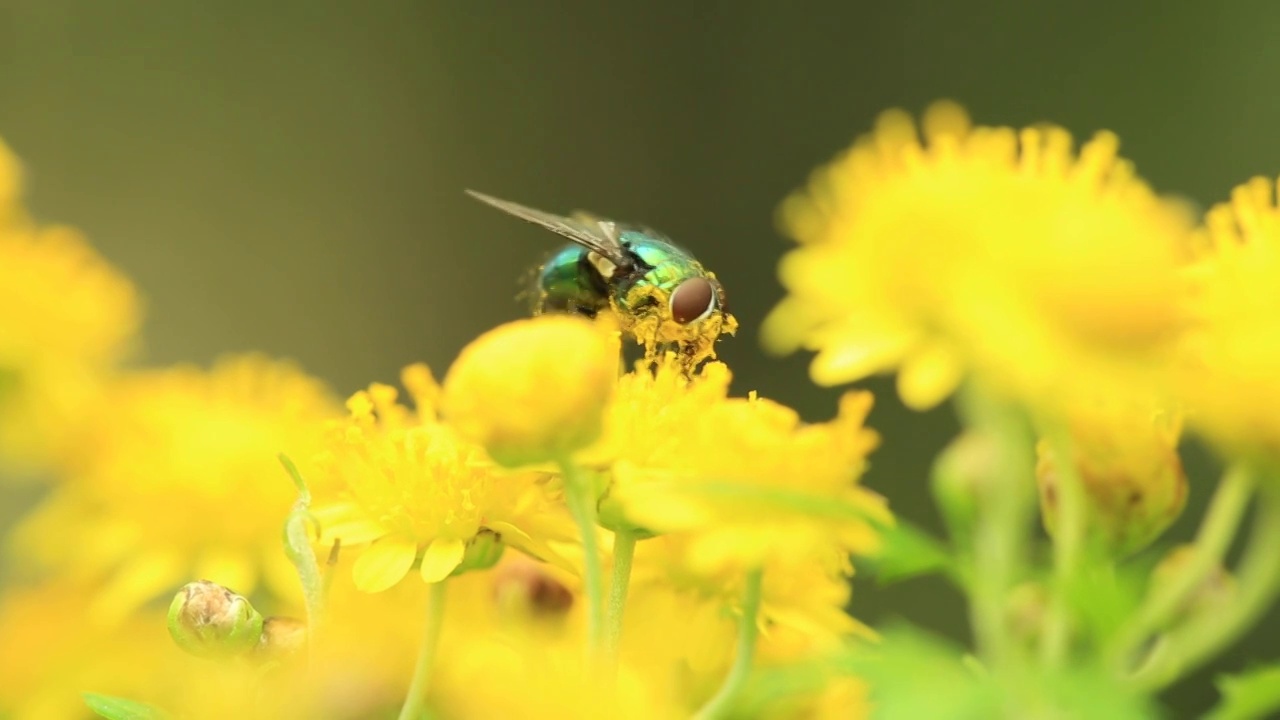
(660, 294)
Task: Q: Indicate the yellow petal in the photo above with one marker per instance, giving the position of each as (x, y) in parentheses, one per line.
(141, 579)
(280, 577)
(441, 558)
(526, 543)
(383, 564)
(347, 523)
(929, 376)
(228, 569)
(857, 358)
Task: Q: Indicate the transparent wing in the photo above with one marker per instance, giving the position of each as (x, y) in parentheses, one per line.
(590, 232)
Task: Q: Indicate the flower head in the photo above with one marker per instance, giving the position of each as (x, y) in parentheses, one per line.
(181, 480)
(1231, 352)
(982, 250)
(66, 319)
(532, 390)
(416, 492)
(524, 635)
(751, 481)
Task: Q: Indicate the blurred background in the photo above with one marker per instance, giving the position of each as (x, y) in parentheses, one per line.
(288, 176)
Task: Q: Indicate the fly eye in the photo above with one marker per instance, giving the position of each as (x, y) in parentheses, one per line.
(692, 300)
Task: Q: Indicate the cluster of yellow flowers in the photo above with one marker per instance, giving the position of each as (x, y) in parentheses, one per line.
(547, 533)
(718, 516)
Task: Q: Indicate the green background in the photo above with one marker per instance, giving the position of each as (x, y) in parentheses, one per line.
(288, 176)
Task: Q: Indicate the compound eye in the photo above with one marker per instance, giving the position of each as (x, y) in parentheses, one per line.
(693, 300)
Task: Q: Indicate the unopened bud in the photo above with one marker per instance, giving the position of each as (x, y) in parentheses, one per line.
(210, 621)
(960, 474)
(1216, 591)
(1130, 500)
(1129, 468)
(483, 552)
(282, 637)
(533, 390)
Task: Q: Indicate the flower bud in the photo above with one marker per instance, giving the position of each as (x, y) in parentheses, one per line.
(209, 621)
(1216, 591)
(961, 471)
(1132, 477)
(282, 637)
(483, 552)
(533, 390)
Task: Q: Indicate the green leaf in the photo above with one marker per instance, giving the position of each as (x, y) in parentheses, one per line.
(906, 552)
(912, 674)
(303, 491)
(114, 708)
(1090, 691)
(1251, 694)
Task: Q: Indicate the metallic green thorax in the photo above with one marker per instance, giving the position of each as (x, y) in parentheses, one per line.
(577, 280)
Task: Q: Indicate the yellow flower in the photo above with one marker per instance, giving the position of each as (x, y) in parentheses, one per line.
(982, 250)
(805, 596)
(52, 655)
(1228, 374)
(735, 484)
(532, 390)
(1126, 456)
(677, 646)
(518, 677)
(512, 646)
(754, 484)
(66, 319)
(679, 632)
(181, 480)
(406, 484)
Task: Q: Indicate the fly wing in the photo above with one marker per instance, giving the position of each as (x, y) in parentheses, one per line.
(590, 232)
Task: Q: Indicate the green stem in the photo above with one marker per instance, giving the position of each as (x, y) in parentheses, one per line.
(1221, 522)
(297, 546)
(1068, 544)
(415, 703)
(1206, 634)
(624, 548)
(748, 629)
(582, 505)
(1005, 504)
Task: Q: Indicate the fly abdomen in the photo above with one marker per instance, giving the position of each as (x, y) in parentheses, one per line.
(569, 282)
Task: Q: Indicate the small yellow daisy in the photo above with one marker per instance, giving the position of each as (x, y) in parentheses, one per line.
(1229, 358)
(958, 249)
(178, 481)
(408, 490)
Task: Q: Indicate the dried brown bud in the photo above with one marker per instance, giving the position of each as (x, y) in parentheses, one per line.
(208, 620)
(523, 585)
